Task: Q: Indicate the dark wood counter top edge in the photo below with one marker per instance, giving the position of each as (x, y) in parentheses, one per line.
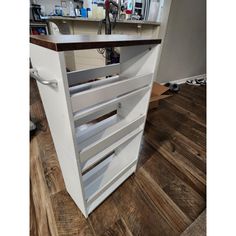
(91, 45)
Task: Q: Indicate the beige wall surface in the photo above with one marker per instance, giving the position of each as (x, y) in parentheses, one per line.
(184, 48)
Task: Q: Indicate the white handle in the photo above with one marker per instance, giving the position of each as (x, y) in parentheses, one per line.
(34, 74)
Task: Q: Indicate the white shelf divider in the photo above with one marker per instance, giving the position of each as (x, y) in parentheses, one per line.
(90, 162)
(94, 142)
(82, 76)
(90, 97)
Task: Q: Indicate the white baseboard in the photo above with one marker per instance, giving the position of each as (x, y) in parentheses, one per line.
(182, 81)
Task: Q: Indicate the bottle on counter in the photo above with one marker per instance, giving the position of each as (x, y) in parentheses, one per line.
(77, 11)
(129, 9)
(89, 13)
(71, 9)
(94, 9)
(58, 10)
(83, 12)
(100, 12)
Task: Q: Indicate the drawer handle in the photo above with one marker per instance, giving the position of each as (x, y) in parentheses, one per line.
(34, 74)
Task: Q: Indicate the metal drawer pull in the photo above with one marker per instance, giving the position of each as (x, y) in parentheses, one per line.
(34, 74)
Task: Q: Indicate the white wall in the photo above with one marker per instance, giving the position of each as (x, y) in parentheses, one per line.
(184, 48)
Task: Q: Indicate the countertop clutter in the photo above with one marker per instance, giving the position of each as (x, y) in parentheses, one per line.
(120, 11)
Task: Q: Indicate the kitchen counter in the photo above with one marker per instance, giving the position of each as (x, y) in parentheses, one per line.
(66, 18)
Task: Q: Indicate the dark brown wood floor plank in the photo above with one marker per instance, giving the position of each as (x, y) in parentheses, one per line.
(198, 110)
(157, 171)
(40, 195)
(203, 90)
(104, 216)
(186, 101)
(196, 158)
(151, 133)
(69, 219)
(138, 212)
(164, 204)
(164, 133)
(193, 91)
(145, 153)
(34, 92)
(198, 227)
(189, 201)
(187, 145)
(33, 219)
(118, 229)
(199, 98)
(180, 123)
(176, 117)
(51, 167)
(189, 114)
(183, 170)
(36, 107)
(174, 141)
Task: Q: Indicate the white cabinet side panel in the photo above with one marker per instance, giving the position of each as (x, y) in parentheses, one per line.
(134, 61)
(51, 66)
(138, 60)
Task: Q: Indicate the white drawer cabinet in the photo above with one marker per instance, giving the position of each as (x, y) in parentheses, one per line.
(96, 125)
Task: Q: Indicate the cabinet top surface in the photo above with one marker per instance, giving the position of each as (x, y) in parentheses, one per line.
(78, 42)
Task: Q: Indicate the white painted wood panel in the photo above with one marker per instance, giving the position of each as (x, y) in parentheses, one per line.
(137, 60)
(94, 112)
(113, 178)
(56, 101)
(82, 76)
(107, 137)
(111, 189)
(84, 134)
(107, 171)
(106, 92)
(95, 159)
(94, 84)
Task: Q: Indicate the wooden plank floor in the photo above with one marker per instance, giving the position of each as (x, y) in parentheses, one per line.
(164, 196)
(198, 227)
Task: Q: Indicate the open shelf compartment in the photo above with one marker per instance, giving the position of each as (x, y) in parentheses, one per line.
(101, 180)
(104, 135)
(89, 94)
(94, 112)
(91, 162)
